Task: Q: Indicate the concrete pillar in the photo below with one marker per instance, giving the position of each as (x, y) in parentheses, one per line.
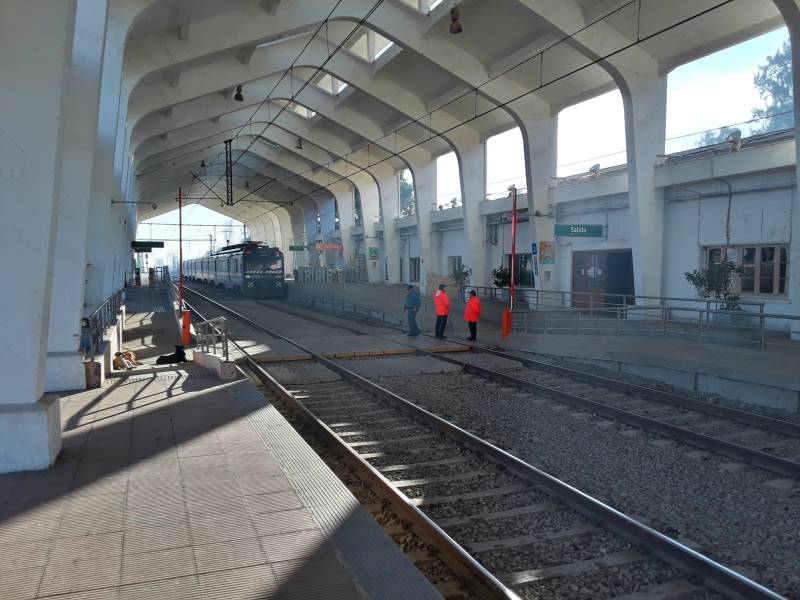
(645, 103)
(471, 155)
(344, 201)
(425, 194)
(371, 196)
(540, 138)
(36, 46)
(64, 369)
(327, 211)
(392, 243)
(790, 9)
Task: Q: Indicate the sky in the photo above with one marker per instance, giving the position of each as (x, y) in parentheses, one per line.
(708, 93)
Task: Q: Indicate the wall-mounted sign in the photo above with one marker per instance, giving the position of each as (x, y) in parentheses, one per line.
(146, 244)
(579, 230)
(298, 248)
(322, 246)
(373, 253)
(548, 253)
(534, 249)
(141, 250)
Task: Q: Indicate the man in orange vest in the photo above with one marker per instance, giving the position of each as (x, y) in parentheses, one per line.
(442, 303)
(472, 312)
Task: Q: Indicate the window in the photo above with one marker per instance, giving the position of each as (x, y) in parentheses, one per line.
(764, 268)
(413, 269)
(454, 266)
(523, 267)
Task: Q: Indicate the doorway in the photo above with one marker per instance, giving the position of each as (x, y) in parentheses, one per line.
(602, 278)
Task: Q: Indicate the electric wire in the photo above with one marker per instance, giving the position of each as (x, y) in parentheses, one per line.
(494, 108)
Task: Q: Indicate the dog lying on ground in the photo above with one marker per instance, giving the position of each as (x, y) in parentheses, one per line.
(178, 356)
(131, 358)
(121, 363)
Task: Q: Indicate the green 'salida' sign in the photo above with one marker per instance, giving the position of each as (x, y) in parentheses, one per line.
(579, 231)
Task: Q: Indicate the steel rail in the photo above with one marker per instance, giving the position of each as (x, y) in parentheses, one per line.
(760, 459)
(714, 574)
(451, 553)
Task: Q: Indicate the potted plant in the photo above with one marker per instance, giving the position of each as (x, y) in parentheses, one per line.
(718, 282)
(502, 279)
(461, 277)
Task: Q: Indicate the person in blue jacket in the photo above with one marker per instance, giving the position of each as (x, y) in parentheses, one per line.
(412, 305)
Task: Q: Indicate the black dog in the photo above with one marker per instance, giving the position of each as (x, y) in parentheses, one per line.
(178, 356)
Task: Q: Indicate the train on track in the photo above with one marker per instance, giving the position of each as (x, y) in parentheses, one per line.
(253, 268)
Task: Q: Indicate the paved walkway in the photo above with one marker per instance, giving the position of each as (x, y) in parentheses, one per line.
(173, 484)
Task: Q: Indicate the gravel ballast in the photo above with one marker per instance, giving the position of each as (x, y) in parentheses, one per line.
(728, 510)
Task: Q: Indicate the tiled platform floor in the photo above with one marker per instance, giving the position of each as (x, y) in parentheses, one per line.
(175, 485)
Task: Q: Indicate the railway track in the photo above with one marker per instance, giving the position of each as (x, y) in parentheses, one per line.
(765, 442)
(518, 529)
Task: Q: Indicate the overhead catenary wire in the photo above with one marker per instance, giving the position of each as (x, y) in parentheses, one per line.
(419, 120)
(307, 82)
(492, 109)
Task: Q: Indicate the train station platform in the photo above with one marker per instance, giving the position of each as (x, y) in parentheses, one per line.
(765, 378)
(174, 484)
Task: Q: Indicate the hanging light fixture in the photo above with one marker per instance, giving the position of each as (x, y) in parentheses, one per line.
(246, 184)
(455, 21)
(238, 95)
(203, 163)
(299, 144)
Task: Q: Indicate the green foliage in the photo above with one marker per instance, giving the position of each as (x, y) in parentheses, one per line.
(715, 136)
(461, 276)
(501, 277)
(774, 83)
(717, 281)
(408, 203)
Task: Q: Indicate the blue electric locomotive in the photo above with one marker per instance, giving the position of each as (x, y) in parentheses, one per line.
(252, 268)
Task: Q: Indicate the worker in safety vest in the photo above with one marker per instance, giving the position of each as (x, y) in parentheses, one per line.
(442, 303)
(472, 312)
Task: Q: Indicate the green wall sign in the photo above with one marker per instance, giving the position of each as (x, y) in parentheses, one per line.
(296, 248)
(579, 230)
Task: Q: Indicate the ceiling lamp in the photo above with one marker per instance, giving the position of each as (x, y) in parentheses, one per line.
(246, 184)
(455, 22)
(299, 144)
(238, 95)
(203, 164)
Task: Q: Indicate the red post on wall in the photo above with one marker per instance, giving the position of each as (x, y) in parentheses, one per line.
(185, 328)
(513, 190)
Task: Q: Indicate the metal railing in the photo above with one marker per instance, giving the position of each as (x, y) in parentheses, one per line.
(536, 299)
(212, 334)
(345, 306)
(731, 327)
(95, 326)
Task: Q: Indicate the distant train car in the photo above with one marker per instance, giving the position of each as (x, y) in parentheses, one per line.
(252, 268)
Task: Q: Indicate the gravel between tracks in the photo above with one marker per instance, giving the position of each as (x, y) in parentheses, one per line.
(733, 516)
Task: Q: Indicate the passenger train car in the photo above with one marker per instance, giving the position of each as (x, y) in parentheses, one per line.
(252, 268)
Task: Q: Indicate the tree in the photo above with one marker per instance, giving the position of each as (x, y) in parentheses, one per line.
(408, 204)
(715, 136)
(717, 282)
(774, 83)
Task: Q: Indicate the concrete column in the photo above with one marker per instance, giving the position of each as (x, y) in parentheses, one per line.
(645, 103)
(286, 239)
(371, 196)
(471, 155)
(344, 200)
(64, 369)
(327, 211)
(390, 209)
(540, 137)
(36, 46)
(425, 194)
(103, 187)
(790, 9)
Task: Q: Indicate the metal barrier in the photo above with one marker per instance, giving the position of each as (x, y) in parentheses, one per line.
(212, 333)
(151, 276)
(730, 327)
(344, 306)
(549, 299)
(95, 326)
